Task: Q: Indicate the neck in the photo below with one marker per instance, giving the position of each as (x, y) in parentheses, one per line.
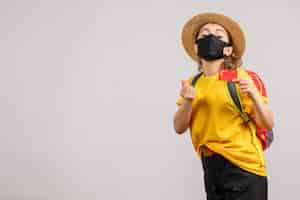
(210, 68)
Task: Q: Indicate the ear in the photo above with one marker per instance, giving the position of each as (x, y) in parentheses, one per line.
(227, 51)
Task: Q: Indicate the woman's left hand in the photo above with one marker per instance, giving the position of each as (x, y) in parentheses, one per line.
(247, 86)
(263, 115)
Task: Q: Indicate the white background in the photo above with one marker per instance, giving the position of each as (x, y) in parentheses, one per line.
(88, 91)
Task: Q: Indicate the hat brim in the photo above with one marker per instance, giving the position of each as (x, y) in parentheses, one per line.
(192, 27)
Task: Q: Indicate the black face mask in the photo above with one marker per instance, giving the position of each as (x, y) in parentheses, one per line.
(211, 47)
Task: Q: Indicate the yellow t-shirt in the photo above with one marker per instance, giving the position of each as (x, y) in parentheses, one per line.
(217, 123)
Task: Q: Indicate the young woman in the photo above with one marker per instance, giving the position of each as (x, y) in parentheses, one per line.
(231, 153)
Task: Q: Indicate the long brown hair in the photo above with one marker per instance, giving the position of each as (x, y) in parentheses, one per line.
(229, 63)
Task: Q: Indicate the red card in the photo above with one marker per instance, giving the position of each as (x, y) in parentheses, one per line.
(227, 75)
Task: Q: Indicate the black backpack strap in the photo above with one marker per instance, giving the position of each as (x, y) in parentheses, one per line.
(235, 97)
(195, 79)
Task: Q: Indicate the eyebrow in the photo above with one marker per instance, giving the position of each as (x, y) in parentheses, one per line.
(222, 30)
(204, 29)
(218, 30)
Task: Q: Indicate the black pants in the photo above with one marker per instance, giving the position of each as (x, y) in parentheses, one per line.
(225, 181)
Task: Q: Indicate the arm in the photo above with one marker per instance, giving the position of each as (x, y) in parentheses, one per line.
(182, 117)
(262, 114)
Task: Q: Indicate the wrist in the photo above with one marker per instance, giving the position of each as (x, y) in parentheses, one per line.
(187, 100)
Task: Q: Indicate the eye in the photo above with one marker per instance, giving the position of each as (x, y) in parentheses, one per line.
(202, 35)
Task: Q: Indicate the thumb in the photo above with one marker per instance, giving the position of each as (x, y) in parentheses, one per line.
(182, 83)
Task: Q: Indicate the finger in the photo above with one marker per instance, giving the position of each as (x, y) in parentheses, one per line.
(185, 83)
(245, 81)
(244, 84)
(182, 83)
(236, 80)
(191, 91)
(187, 91)
(244, 89)
(183, 90)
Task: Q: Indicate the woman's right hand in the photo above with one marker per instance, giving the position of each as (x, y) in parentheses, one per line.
(187, 91)
(183, 115)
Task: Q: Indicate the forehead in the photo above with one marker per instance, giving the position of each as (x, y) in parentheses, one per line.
(212, 26)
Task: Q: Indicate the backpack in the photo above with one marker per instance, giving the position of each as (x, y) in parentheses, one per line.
(265, 136)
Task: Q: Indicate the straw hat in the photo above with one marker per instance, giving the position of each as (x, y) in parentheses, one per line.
(192, 27)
